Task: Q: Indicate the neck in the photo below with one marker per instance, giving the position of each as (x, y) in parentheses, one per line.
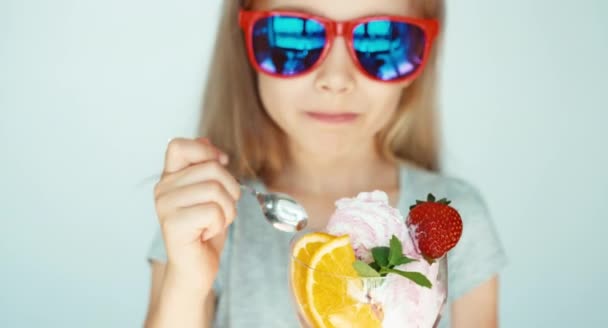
(343, 173)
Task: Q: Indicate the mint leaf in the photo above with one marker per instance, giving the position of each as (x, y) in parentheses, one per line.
(364, 270)
(404, 260)
(396, 251)
(380, 255)
(375, 266)
(416, 277)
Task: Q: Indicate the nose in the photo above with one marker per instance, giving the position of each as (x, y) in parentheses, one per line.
(337, 72)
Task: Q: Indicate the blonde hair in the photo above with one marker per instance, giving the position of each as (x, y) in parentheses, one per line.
(234, 119)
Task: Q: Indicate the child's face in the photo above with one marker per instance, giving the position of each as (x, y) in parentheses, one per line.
(335, 87)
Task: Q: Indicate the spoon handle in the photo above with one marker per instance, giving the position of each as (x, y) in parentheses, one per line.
(249, 189)
(258, 196)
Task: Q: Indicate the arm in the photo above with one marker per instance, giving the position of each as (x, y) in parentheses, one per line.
(477, 308)
(195, 202)
(171, 304)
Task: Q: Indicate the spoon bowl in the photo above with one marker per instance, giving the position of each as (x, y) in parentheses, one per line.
(281, 210)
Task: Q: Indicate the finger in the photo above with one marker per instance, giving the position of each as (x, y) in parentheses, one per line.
(205, 192)
(197, 173)
(218, 241)
(206, 219)
(182, 153)
(223, 157)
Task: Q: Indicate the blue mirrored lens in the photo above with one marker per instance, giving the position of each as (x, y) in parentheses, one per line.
(287, 45)
(389, 50)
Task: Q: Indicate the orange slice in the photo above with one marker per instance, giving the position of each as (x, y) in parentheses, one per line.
(302, 252)
(330, 286)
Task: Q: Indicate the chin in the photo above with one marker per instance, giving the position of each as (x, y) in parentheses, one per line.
(329, 145)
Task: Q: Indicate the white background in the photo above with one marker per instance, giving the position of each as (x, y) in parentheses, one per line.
(91, 91)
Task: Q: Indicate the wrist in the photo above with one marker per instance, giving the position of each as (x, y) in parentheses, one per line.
(187, 281)
(180, 302)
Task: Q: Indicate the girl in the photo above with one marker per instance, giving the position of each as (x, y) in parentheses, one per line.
(320, 100)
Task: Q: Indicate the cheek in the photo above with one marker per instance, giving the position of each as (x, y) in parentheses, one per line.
(268, 89)
(384, 100)
(278, 96)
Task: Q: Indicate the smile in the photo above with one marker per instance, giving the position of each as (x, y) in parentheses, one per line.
(337, 118)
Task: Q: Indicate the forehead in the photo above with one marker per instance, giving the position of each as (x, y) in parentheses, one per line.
(344, 9)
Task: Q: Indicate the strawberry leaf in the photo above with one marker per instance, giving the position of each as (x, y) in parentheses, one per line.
(429, 260)
(364, 270)
(380, 255)
(431, 198)
(396, 251)
(418, 202)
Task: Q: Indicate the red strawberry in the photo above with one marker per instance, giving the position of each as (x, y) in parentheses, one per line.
(436, 226)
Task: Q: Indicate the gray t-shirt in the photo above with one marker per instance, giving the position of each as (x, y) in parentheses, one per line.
(252, 285)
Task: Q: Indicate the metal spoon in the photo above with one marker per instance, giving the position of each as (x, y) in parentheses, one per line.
(280, 210)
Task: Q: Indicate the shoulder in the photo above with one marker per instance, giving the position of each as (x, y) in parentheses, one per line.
(420, 182)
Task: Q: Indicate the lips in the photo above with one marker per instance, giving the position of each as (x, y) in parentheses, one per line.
(334, 118)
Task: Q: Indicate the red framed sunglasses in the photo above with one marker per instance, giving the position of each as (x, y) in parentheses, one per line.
(385, 48)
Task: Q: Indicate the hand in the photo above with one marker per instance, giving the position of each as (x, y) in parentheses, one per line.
(195, 202)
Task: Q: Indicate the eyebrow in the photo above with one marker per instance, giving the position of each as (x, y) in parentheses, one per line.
(309, 11)
(301, 9)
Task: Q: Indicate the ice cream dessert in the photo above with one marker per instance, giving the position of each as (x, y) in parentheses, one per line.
(370, 222)
(371, 267)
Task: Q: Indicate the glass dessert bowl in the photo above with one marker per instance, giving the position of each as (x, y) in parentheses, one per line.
(331, 288)
(365, 269)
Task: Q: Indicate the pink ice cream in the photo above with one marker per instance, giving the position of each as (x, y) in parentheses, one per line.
(406, 304)
(371, 222)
